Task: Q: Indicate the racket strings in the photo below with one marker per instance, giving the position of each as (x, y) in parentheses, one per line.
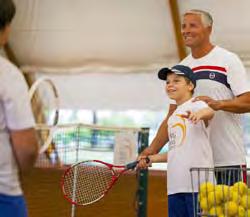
(85, 184)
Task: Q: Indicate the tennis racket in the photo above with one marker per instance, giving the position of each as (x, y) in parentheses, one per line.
(44, 98)
(87, 182)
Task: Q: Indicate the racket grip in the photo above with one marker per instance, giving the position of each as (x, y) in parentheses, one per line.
(132, 165)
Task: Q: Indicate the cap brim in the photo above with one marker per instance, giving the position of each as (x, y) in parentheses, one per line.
(162, 74)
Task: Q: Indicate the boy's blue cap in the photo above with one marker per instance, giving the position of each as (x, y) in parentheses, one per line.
(178, 70)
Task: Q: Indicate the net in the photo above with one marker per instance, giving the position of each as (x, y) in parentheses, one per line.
(72, 143)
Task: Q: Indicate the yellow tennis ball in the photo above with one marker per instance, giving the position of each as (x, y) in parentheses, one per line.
(245, 201)
(241, 187)
(204, 204)
(236, 197)
(248, 212)
(214, 198)
(205, 188)
(224, 191)
(241, 211)
(231, 208)
(216, 211)
(230, 194)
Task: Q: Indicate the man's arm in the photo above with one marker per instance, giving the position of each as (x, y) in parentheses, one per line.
(161, 137)
(240, 104)
(25, 147)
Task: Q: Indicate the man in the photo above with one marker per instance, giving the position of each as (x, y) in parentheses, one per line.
(18, 144)
(222, 83)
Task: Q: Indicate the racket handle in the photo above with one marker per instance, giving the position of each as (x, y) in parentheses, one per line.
(132, 165)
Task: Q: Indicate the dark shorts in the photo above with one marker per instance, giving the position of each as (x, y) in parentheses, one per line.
(12, 206)
(230, 174)
(182, 204)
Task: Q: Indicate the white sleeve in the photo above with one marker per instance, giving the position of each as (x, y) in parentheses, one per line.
(18, 113)
(237, 76)
(198, 105)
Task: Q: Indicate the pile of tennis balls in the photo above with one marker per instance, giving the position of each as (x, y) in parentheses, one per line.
(224, 200)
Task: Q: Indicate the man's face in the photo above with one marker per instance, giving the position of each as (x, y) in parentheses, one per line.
(193, 31)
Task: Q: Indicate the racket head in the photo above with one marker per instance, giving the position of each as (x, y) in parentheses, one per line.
(45, 101)
(45, 137)
(44, 89)
(87, 182)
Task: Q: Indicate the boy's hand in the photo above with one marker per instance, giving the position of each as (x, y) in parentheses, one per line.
(194, 117)
(143, 164)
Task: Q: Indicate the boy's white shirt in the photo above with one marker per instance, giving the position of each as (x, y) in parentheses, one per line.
(188, 147)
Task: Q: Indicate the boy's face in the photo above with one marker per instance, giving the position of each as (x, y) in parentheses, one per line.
(177, 87)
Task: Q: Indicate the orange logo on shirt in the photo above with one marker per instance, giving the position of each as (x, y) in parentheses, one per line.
(182, 126)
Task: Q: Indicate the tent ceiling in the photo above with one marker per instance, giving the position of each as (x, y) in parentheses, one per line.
(99, 38)
(117, 33)
(63, 33)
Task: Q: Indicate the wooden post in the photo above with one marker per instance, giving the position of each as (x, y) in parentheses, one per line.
(173, 5)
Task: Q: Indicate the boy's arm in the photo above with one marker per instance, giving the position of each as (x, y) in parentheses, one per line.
(204, 114)
(155, 158)
(158, 158)
(161, 137)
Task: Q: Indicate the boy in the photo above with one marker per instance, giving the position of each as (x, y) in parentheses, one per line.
(188, 130)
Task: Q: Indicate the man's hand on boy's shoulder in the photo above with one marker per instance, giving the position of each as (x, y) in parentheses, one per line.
(214, 104)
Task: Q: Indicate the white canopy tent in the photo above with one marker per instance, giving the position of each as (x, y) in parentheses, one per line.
(109, 51)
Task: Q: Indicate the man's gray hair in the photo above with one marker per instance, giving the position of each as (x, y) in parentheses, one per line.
(206, 18)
